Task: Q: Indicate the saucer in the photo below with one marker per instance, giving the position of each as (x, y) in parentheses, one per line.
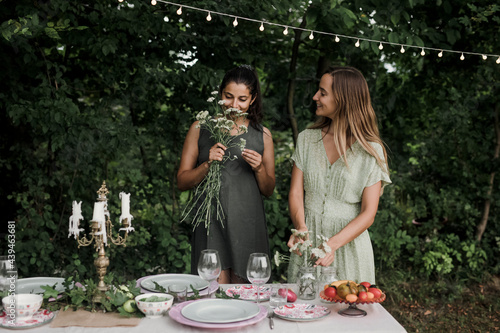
(41, 317)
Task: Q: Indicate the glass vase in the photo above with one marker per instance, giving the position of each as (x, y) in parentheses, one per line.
(307, 283)
(328, 275)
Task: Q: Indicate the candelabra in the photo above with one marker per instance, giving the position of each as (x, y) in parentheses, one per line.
(102, 230)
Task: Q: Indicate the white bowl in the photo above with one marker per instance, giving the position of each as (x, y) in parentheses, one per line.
(22, 307)
(154, 309)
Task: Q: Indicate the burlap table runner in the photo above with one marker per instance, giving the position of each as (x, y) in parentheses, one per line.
(92, 319)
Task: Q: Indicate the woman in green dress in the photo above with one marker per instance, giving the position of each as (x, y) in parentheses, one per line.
(338, 175)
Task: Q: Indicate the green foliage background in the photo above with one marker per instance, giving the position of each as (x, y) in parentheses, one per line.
(102, 90)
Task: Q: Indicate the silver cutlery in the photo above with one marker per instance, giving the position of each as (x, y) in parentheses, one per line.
(270, 315)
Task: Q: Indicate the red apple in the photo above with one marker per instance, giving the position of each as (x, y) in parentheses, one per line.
(366, 284)
(369, 296)
(376, 292)
(330, 292)
(291, 296)
(362, 296)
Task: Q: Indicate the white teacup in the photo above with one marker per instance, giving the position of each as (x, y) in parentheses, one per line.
(21, 307)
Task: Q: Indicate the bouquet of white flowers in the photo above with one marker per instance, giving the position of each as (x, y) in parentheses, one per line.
(309, 254)
(205, 203)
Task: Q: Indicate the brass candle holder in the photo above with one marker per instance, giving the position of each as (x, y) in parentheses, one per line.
(100, 238)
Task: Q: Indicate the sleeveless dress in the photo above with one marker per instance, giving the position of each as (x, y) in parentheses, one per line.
(332, 199)
(244, 229)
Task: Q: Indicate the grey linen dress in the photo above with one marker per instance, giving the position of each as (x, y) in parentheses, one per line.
(245, 230)
(332, 199)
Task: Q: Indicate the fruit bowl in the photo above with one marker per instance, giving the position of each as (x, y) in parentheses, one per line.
(352, 310)
(338, 299)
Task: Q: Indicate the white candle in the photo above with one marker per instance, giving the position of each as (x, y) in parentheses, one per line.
(126, 211)
(98, 212)
(101, 219)
(74, 220)
(125, 203)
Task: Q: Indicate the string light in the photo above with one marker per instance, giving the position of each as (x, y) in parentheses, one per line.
(313, 32)
(120, 0)
(380, 46)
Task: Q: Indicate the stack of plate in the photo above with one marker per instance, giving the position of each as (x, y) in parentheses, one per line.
(218, 313)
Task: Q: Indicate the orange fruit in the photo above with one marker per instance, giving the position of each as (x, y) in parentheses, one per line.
(351, 298)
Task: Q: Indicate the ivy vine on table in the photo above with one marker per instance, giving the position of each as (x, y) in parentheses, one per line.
(119, 298)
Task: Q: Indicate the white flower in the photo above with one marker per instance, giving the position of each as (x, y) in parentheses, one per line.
(215, 92)
(210, 99)
(243, 128)
(242, 143)
(232, 110)
(318, 253)
(277, 261)
(222, 102)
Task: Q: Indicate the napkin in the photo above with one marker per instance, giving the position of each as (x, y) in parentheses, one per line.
(92, 319)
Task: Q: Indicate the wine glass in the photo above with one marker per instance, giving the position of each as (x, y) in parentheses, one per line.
(209, 266)
(258, 270)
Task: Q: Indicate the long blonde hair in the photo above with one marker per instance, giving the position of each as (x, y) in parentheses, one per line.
(354, 116)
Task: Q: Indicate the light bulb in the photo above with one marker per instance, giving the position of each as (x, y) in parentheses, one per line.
(209, 17)
(422, 53)
(402, 49)
(153, 2)
(179, 11)
(285, 32)
(462, 57)
(484, 57)
(166, 19)
(120, 0)
(261, 26)
(380, 46)
(235, 22)
(337, 39)
(357, 43)
(498, 60)
(311, 36)
(440, 54)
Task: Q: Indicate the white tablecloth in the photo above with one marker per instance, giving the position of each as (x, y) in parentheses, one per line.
(376, 320)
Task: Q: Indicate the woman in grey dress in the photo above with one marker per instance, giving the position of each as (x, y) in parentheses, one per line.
(244, 180)
(339, 173)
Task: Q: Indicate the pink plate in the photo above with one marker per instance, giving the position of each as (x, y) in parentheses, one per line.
(175, 314)
(41, 317)
(249, 292)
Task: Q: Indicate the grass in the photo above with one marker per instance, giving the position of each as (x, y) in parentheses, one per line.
(425, 305)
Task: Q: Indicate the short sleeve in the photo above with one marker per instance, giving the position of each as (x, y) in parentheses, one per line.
(297, 156)
(376, 173)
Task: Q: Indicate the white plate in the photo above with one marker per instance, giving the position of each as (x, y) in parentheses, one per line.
(33, 285)
(166, 280)
(220, 311)
(301, 312)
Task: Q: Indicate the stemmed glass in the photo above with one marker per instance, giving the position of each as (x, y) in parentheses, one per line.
(258, 270)
(209, 266)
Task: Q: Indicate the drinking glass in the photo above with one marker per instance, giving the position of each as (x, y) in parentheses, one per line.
(279, 295)
(209, 266)
(258, 270)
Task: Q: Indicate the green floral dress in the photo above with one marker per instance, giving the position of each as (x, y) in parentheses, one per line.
(332, 199)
